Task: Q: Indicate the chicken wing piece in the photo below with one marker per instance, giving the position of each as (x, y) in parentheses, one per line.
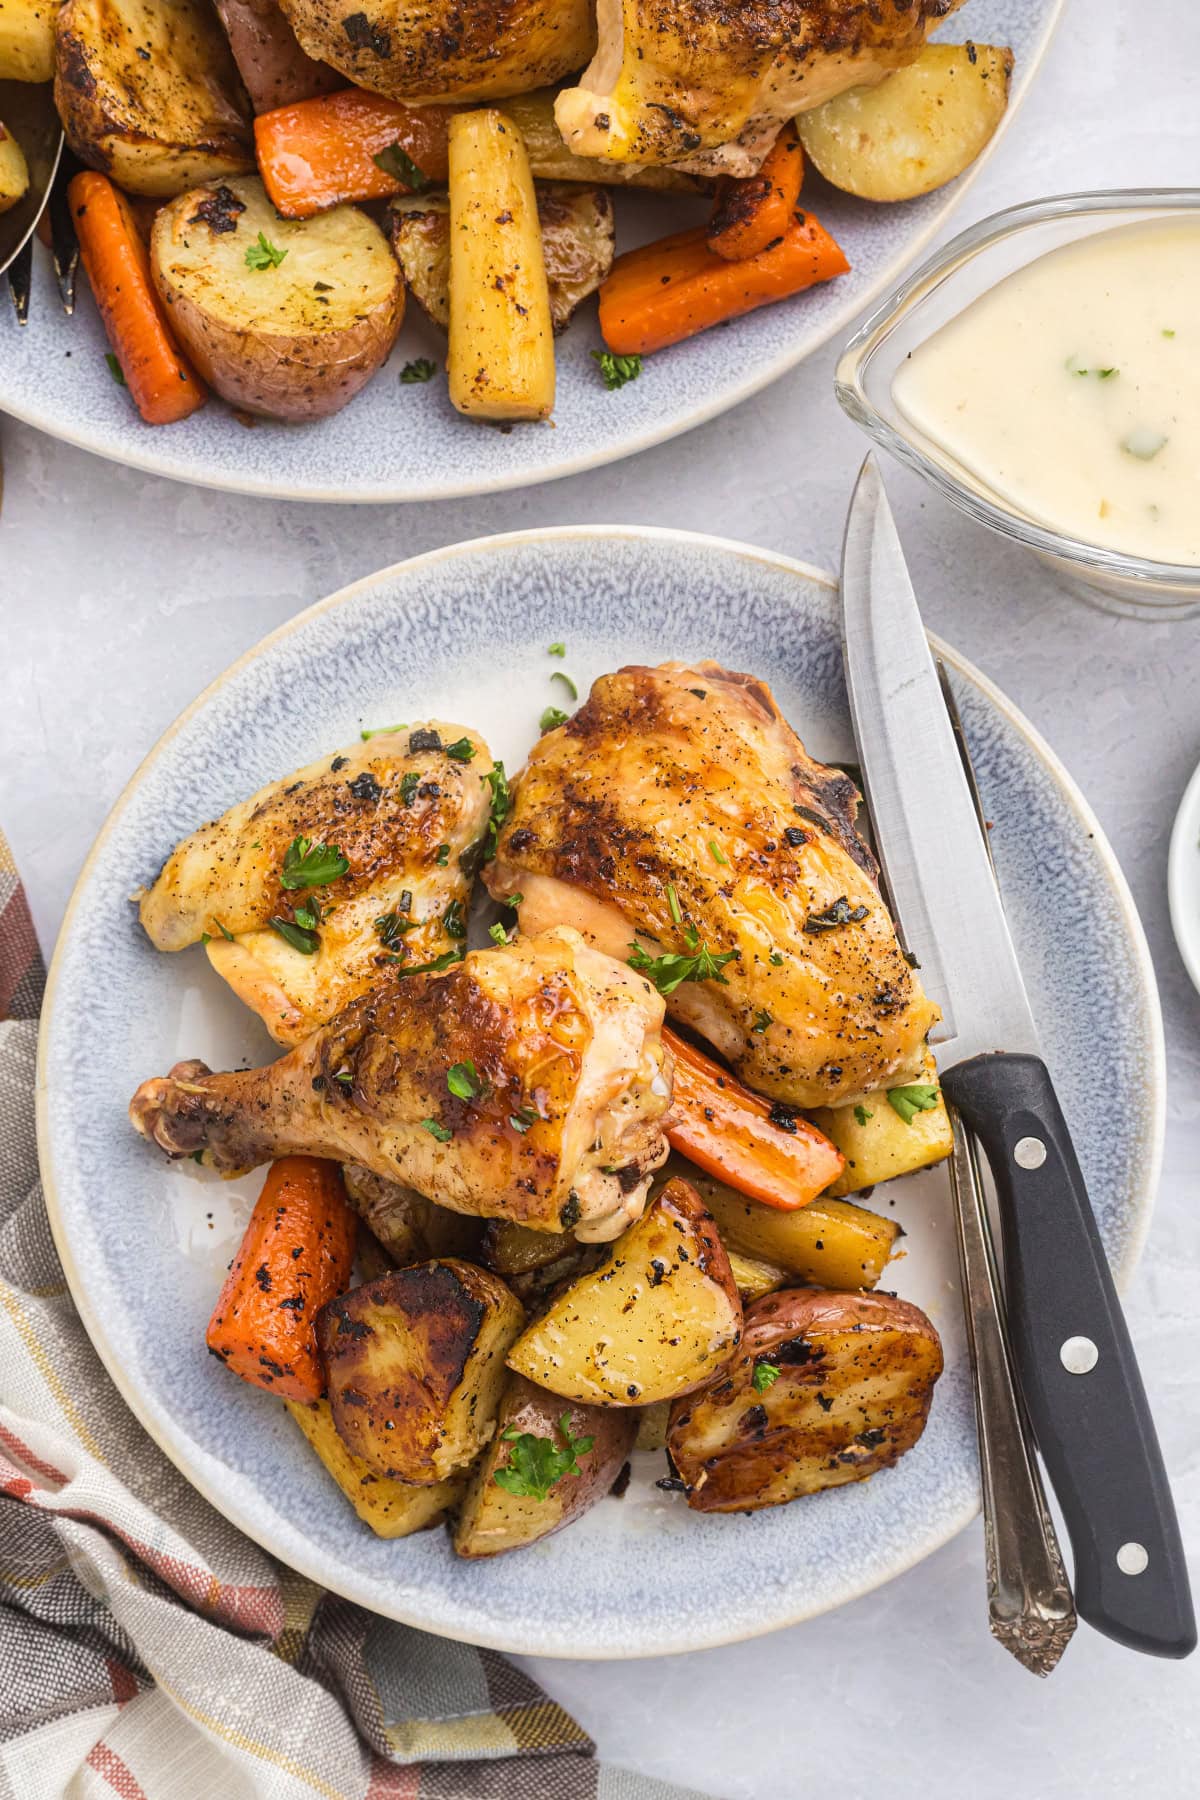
(527, 1083)
(446, 49)
(705, 84)
(295, 938)
(679, 806)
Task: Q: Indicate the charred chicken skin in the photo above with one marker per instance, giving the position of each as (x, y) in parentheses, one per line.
(402, 817)
(677, 815)
(526, 1083)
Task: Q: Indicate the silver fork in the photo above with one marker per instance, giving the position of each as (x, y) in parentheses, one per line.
(1030, 1606)
(27, 108)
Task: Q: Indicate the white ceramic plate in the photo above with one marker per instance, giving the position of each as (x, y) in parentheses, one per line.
(408, 443)
(1183, 878)
(462, 633)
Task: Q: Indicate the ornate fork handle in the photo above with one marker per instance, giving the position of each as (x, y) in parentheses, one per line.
(1030, 1607)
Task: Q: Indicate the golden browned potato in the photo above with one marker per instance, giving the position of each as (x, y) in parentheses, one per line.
(753, 1277)
(649, 1323)
(392, 1509)
(14, 172)
(880, 1143)
(577, 246)
(823, 1389)
(415, 1366)
(550, 159)
(653, 1423)
(410, 1228)
(147, 91)
(287, 317)
(522, 1490)
(501, 355)
(917, 130)
(27, 40)
(832, 1242)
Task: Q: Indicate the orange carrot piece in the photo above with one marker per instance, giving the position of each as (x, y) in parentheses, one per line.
(296, 1255)
(676, 287)
(753, 213)
(319, 152)
(161, 381)
(722, 1127)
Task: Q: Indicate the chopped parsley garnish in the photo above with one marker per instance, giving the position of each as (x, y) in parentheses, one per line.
(395, 161)
(559, 675)
(224, 931)
(523, 1118)
(840, 913)
(309, 916)
(300, 937)
(536, 1463)
(391, 928)
(420, 369)
(309, 865)
(115, 369)
(498, 934)
(716, 852)
(442, 1133)
(765, 1375)
(1167, 333)
(673, 903)
(409, 784)
(513, 900)
(453, 923)
(776, 959)
(862, 1115)
(380, 731)
(617, 370)
(561, 649)
(551, 719)
(206, 937)
(500, 808)
(445, 961)
(345, 1077)
(674, 967)
(909, 1101)
(462, 750)
(462, 1078)
(761, 1021)
(264, 254)
(443, 855)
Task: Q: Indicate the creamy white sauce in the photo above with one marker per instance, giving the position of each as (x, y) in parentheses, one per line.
(1072, 389)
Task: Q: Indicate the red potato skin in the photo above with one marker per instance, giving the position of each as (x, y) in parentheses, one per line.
(274, 69)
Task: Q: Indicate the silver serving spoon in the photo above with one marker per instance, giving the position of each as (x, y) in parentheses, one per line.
(27, 109)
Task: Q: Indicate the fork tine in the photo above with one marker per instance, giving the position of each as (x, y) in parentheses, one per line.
(20, 279)
(64, 245)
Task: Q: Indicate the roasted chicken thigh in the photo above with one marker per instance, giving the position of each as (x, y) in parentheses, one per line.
(678, 815)
(705, 84)
(406, 811)
(526, 1083)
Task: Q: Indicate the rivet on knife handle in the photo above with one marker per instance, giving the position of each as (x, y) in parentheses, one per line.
(1029, 1597)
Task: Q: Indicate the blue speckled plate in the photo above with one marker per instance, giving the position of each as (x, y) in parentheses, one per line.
(408, 443)
(462, 633)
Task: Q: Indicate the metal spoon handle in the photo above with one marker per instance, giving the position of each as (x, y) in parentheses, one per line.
(1030, 1607)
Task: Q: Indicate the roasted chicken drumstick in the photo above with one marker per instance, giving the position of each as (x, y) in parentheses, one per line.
(526, 1083)
(310, 891)
(678, 816)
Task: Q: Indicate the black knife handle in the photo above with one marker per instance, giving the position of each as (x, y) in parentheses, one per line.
(1093, 1427)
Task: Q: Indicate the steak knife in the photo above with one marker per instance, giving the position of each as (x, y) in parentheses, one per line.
(1075, 1362)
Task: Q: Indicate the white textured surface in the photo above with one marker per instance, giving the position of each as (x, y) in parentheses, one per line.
(122, 595)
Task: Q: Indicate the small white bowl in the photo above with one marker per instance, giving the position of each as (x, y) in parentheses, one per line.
(1183, 878)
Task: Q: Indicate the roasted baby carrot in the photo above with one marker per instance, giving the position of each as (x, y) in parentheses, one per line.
(296, 1255)
(752, 213)
(162, 383)
(672, 289)
(348, 146)
(763, 1151)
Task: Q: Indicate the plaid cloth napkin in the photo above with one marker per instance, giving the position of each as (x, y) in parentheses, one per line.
(148, 1649)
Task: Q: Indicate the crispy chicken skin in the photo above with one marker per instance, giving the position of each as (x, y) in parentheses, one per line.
(469, 50)
(705, 84)
(687, 780)
(409, 820)
(564, 1045)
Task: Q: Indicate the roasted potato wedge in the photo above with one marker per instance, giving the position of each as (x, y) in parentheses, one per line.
(878, 1143)
(844, 1387)
(577, 246)
(493, 1517)
(653, 1423)
(832, 1242)
(550, 160)
(649, 1323)
(274, 69)
(917, 130)
(27, 40)
(297, 331)
(754, 1278)
(14, 171)
(148, 92)
(410, 1228)
(393, 1509)
(501, 355)
(415, 1365)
